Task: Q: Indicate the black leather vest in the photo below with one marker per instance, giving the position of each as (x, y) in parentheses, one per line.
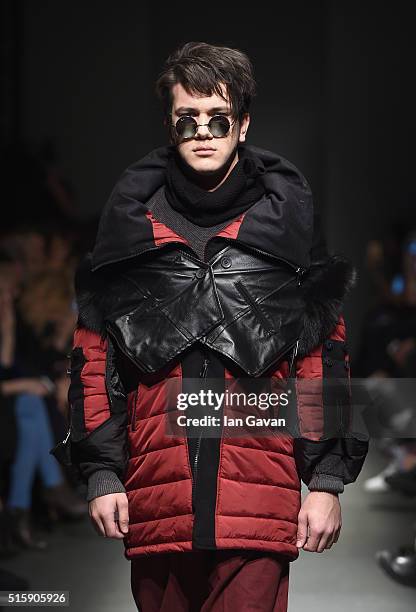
(244, 303)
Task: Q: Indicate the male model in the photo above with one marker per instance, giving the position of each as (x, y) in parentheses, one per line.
(209, 264)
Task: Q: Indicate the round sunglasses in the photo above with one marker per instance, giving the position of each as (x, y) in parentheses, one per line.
(187, 127)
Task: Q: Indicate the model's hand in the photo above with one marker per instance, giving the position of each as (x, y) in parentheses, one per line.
(319, 521)
(101, 510)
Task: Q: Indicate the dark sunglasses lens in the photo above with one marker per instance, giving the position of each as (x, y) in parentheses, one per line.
(219, 126)
(186, 127)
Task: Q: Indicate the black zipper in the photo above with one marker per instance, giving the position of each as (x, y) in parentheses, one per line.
(68, 433)
(292, 359)
(133, 416)
(202, 374)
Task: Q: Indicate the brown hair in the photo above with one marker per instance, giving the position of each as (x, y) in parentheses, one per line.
(200, 67)
(45, 297)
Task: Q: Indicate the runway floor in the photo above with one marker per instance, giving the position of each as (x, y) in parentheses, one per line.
(345, 578)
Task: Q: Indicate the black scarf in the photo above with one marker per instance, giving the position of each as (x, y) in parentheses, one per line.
(205, 208)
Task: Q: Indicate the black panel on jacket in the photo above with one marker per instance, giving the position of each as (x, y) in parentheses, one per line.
(205, 485)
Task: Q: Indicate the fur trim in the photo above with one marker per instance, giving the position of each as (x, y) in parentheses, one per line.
(325, 286)
(92, 298)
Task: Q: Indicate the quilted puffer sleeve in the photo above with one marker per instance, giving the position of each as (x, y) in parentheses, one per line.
(327, 463)
(98, 419)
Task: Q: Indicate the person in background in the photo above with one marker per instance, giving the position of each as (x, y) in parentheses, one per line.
(390, 338)
(36, 321)
(388, 350)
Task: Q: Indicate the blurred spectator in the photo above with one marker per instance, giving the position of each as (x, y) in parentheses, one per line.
(388, 351)
(9, 275)
(37, 262)
(37, 321)
(26, 247)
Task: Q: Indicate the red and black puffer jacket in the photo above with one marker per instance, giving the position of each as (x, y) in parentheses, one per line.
(146, 328)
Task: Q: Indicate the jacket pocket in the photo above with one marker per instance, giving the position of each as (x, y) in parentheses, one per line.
(266, 323)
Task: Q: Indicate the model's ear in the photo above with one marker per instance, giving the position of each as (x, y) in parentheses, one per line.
(244, 123)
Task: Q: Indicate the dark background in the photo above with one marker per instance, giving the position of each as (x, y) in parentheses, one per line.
(334, 97)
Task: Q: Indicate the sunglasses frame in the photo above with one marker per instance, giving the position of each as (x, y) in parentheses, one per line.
(197, 125)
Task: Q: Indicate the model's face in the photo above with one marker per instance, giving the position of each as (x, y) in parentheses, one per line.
(205, 153)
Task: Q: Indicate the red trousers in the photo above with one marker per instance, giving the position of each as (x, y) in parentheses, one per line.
(211, 581)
